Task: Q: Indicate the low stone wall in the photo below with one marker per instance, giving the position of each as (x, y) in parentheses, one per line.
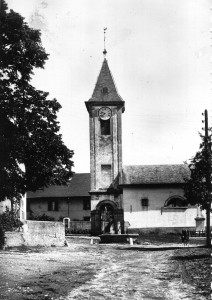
(37, 233)
(14, 239)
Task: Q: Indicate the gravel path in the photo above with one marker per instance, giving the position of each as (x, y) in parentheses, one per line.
(84, 271)
(136, 275)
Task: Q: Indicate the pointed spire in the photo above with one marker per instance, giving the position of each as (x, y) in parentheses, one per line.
(105, 89)
(105, 51)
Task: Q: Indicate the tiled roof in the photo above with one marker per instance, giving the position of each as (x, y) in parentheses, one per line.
(155, 174)
(105, 80)
(78, 186)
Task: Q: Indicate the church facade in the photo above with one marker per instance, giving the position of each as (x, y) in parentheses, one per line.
(146, 197)
(142, 198)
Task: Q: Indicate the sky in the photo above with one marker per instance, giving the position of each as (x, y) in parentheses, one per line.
(159, 53)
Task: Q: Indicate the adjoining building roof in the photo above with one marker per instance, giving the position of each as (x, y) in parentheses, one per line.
(79, 186)
(105, 81)
(155, 174)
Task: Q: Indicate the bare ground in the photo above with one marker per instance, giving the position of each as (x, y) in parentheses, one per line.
(84, 271)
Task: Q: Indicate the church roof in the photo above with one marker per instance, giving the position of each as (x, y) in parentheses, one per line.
(105, 89)
(79, 186)
(155, 174)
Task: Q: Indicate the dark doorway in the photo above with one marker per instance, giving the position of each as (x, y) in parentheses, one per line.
(107, 218)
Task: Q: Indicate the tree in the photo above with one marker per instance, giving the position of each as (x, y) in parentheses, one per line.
(196, 188)
(29, 130)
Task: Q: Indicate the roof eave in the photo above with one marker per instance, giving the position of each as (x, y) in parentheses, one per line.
(90, 103)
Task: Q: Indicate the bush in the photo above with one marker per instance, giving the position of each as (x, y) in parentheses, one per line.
(9, 220)
(61, 219)
(77, 231)
(41, 218)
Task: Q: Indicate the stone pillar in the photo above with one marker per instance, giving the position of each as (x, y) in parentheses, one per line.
(119, 227)
(119, 219)
(68, 221)
(95, 222)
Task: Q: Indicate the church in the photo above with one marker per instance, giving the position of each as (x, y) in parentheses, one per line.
(114, 197)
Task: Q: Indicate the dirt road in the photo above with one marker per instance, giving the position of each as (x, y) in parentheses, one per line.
(95, 272)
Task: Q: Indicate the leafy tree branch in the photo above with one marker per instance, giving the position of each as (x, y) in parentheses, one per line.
(29, 130)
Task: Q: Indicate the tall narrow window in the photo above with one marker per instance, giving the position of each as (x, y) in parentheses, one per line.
(53, 205)
(86, 204)
(105, 127)
(145, 203)
(106, 175)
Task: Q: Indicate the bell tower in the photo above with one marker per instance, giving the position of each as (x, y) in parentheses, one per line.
(105, 110)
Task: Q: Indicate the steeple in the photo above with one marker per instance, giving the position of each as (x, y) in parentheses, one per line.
(105, 110)
(105, 89)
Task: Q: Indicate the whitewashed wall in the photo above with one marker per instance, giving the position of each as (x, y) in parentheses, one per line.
(155, 216)
(73, 209)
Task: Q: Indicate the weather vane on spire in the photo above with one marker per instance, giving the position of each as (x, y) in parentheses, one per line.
(104, 52)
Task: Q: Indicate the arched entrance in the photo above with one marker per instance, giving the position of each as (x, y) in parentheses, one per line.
(107, 218)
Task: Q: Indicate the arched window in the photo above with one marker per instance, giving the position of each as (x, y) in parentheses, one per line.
(175, 201)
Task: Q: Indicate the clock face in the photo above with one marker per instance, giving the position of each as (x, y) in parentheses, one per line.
(105, 113)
